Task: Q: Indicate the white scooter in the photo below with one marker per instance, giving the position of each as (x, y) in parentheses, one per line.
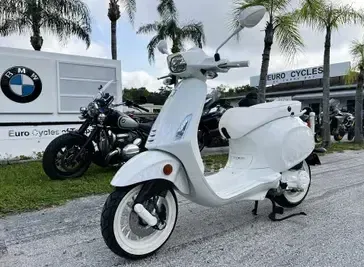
(269, 148)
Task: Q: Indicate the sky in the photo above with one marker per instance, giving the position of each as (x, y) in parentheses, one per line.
(215, 15)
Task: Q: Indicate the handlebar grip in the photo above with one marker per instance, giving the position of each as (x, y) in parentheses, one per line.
(163, 77)
(235, 64)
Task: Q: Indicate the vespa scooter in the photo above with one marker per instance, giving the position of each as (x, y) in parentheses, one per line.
(270, 150)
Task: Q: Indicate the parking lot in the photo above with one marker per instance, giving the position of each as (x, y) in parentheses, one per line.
(332, 233)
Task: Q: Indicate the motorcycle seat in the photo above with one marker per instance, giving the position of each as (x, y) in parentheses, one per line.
(238, 122)
(146, 126)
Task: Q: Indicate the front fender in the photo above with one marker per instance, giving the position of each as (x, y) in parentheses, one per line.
(149, 165)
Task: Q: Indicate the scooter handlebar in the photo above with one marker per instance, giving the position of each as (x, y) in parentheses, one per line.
(235, 64)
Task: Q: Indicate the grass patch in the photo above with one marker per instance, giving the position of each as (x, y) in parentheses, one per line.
(25, 187)
(341, 147)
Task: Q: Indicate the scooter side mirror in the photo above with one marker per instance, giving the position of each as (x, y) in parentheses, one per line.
(251, 16)
(163, 47)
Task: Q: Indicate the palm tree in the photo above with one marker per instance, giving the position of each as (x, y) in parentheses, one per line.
(280, 27)
(62, 17)
(169, 28)
(356, 74)
(327, 17)
(114, 15)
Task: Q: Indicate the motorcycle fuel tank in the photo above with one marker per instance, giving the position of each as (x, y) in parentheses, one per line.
(125, 122)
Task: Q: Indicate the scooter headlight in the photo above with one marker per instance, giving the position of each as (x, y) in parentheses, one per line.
(177, 64)
(183, 127)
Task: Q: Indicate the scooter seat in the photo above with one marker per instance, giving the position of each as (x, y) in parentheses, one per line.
(239, 121)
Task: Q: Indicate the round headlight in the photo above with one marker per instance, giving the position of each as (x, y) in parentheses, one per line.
(101, 118)
(93, 109)
(83, 109)
(177, 64)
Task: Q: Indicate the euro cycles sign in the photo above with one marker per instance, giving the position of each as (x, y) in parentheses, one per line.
(305, 74)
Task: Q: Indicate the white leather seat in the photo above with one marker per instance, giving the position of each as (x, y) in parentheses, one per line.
(242, 120)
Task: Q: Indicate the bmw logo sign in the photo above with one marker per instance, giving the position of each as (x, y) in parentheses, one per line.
(21, 84)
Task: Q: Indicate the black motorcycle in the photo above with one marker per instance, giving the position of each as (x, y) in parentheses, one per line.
(115, 138)
(209, 123)
(341, 123)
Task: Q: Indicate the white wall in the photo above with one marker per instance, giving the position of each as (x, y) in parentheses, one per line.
(68, 82)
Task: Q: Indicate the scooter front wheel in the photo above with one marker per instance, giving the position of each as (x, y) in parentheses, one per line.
(125, 233)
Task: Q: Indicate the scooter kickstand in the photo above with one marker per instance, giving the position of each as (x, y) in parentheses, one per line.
(276, 209)
(254, 211)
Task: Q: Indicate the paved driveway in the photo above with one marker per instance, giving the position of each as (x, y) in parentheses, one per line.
(331, 235)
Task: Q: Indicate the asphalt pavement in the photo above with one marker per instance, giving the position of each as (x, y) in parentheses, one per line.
(332, 233)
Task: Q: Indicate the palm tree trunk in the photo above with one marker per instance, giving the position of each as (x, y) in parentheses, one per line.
(36, 40)
(326, 90)
(359, 108)
(175, 48)
(114, 48)
(268, 42)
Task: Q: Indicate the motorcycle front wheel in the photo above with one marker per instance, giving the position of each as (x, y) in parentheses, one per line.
(201, 139)
(56, 158)
(125, 233)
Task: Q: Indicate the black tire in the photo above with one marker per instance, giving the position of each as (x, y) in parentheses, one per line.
(201, 139)
(284, 202)
(50, 154)
(338, 137)
(351, 135)
(98, 160)
(107, 223)
(318, 138)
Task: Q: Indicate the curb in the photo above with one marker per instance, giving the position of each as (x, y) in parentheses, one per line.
(208, 151)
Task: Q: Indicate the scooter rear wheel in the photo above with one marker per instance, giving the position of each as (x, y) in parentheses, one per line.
(125, 233)
(293, 199)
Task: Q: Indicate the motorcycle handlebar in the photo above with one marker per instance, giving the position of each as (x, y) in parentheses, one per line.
(139, 107)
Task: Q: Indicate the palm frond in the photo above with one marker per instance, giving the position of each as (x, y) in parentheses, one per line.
(346, 14)
(70, 9)
(287, 35)
(11, 8)
(130, 8)
(194, 32)
(148, 28)
(167, 9)
(313, 13)
(65, 27)
(351, 76)
(357, 52)
(151, 47)
(13, 25)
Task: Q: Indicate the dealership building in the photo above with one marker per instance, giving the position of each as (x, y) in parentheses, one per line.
(305, 85)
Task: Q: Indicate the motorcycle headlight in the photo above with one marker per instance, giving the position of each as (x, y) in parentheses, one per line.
(93, 109)
(101, 118)
(177, 64)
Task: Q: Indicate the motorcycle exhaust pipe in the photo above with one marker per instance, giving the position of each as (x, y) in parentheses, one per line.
(110, 155)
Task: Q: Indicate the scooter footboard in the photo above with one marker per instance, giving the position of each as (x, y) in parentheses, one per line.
(150, 165)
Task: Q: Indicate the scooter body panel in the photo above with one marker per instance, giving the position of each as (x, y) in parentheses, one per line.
(149, 165)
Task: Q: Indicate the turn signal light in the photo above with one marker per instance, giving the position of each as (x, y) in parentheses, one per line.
(167, 169)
